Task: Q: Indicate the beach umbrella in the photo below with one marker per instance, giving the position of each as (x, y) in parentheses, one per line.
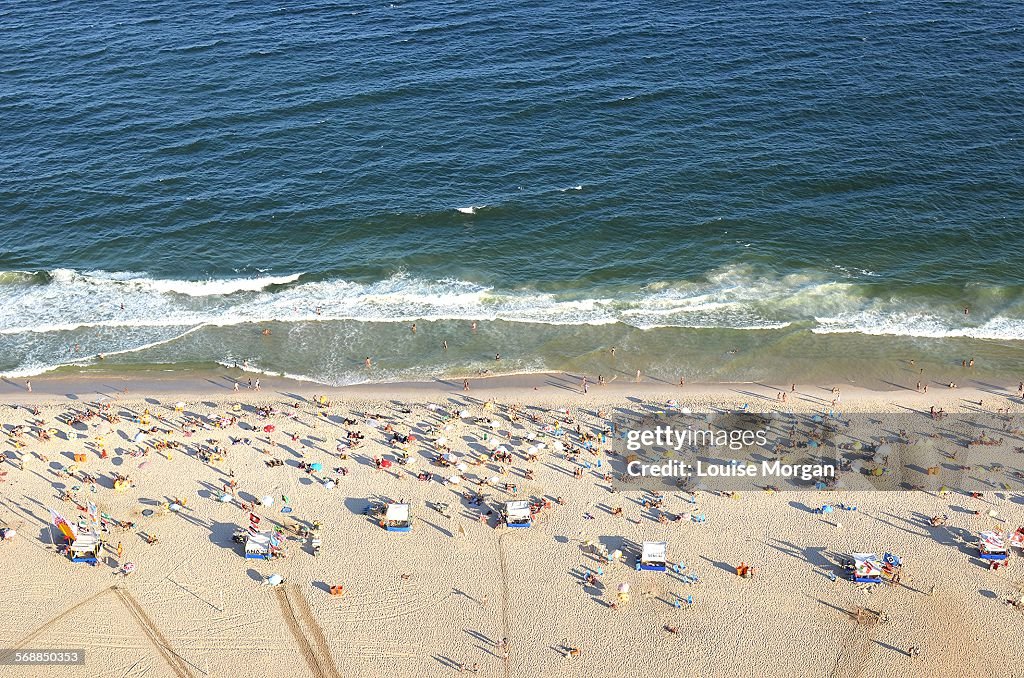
(175, 507)
(448, 456)
(128, 568)
(558, 445)
(139, 437)
(464, 414)
(532, 435)
(817, 418)
(454, 480)
(858, 445)
(622, 588)
(267, 501)
(316, 466)
(461, 466)
(385, 463)
(274, 580)
(144, 464)
(412, 438)
(329, 484)
(225, 498)
(884, 450)
(532, 449)
(812, 443)
(441, 442)
(269, 428)
(147, 512)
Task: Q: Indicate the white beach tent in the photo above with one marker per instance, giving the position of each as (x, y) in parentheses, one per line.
(652, 556)
(517, 514)
(258, 546)
(398, 518)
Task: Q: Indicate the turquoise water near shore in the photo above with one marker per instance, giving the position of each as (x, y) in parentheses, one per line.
(760, 190)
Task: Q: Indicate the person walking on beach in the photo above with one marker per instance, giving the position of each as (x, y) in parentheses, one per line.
(465, 384)
(584, 385)
(28, 386)
(257, 385)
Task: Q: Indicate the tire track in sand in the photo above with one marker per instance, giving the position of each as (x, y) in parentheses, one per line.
(177, 664)
(505, 626)
(320, 664)
(6, 656)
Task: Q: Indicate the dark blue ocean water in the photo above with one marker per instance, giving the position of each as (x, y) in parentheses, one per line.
(776, 175)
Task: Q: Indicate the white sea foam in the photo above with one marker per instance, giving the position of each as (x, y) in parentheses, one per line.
(730, 297)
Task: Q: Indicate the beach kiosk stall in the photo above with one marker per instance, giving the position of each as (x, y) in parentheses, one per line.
(398, 518)
(992, 548)
(86, 548)
(517, 514)
(867, 568)
(652, 556)
(257, 546)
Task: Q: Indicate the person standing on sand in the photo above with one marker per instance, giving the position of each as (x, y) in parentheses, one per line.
(583, 386)
(257, 385)
(465, 384)
(638, 376)
(28, 386)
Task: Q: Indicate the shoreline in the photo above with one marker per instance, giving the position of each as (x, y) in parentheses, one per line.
(535, 386)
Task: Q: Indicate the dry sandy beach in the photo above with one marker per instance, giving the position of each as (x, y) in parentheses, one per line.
(446, 594)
